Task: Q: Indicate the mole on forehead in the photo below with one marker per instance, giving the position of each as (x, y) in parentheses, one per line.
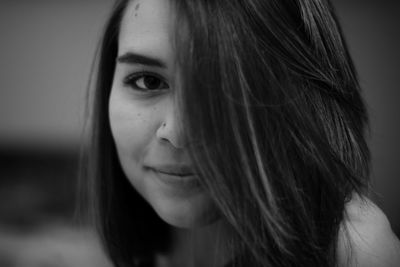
(137, 6)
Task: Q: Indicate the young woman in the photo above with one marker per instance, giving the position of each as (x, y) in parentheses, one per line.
(231, 133)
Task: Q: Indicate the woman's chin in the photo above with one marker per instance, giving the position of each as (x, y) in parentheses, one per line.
(192, 213)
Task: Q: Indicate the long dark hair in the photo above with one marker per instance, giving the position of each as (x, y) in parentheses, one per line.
(271, 100)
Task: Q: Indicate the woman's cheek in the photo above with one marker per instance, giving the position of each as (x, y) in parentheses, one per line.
(130, 125)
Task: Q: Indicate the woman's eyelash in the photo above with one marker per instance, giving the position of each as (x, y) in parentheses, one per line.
(145, 81)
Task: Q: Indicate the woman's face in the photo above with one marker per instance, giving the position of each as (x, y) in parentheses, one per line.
(144, 121)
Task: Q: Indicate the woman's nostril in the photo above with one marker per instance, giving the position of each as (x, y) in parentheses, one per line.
(171, 132)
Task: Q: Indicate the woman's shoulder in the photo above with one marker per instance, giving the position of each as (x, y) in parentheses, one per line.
(366, 238)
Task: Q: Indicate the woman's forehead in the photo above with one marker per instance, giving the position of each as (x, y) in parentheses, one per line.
(146, 28)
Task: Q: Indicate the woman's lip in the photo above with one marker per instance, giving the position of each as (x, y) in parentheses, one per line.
(177, 170)
(186, 182)
(176, 174)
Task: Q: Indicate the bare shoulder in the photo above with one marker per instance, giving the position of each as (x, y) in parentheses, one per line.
(366, 238)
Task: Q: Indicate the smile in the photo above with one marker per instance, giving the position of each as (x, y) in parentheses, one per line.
(174, 170)
(177, 177)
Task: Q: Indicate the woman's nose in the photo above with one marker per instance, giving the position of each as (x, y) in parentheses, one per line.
(170, 128)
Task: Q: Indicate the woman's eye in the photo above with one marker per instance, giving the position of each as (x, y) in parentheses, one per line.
(145, 82)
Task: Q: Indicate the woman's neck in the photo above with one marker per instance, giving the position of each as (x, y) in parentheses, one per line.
(199, 247)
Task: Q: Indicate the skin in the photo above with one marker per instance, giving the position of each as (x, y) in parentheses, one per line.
(370, 236)
(144, 124)
(146, 130)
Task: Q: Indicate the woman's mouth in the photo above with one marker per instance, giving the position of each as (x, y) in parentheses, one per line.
(178, 177)
(177, 170)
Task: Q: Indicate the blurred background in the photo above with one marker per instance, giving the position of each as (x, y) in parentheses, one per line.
(46, 51)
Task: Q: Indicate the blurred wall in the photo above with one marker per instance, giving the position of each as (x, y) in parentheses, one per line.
(46, 51)
(47, 47)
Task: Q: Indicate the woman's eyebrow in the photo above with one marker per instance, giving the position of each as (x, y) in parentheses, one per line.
(133, 58)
